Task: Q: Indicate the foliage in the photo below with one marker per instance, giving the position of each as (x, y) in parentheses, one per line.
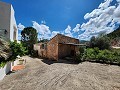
(2, 64)
(103, 56)
(44, 40)
(91, 53)
(17, 49)
(102, 42)
(79, 57)
(29, 37)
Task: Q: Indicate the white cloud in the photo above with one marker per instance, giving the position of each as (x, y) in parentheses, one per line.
(43, 30)
(117, 12)
(68, 31)
(20, 26)
(101, 20)
(54, 33)
(118, 1)
(43, 22)
(19, 36)
(77, 28)
(105, 5)
(93, 14)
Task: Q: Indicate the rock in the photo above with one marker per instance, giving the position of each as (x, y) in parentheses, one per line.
(5, 51)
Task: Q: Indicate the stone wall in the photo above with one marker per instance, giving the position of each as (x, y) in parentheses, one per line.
(66, 39)
(42, 52)
(52, 48)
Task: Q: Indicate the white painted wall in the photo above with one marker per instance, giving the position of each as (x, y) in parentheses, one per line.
(13, 26)
(5, 70)
(5, 17)
(7, 20)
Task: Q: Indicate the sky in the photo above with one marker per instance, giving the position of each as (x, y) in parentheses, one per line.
(80, 19)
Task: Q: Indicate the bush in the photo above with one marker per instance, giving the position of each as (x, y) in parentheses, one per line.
(17, 49)
(2, 64)
(79, 57)
(91, 54)
(103, 56)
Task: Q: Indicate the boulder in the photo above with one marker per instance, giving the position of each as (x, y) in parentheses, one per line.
(5, 51)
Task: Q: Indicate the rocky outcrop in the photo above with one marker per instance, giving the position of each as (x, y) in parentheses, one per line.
(5, 51)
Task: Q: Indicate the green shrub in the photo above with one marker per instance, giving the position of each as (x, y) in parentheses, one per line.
(79, 57)
(17, 49)
(103, 56)
(2, 64)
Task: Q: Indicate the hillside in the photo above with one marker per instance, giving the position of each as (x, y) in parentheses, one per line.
(115, 37)
(115, 33)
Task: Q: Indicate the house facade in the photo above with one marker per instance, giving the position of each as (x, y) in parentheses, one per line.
(58, 47)
(8, 26)
(8, 31)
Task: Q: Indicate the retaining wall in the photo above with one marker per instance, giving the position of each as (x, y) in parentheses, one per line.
(6, 69)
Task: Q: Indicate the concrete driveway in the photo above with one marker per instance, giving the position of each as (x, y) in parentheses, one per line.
(46, 75)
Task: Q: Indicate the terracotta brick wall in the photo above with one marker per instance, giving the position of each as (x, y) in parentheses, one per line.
(66, 50)
(52, 48)
(65, 39)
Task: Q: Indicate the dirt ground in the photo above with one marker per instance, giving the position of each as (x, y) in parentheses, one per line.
(47, 75)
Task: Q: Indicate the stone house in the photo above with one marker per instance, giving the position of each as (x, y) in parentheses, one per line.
(58, 47)
(8, 26)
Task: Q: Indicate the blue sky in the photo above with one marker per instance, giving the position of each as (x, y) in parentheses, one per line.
(67, 17)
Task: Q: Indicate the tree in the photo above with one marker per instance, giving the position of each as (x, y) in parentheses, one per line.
(102, 42)
(43, 41)
(28, 38)
(92, 42)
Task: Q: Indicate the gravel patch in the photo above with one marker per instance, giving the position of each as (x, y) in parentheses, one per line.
(39, 75)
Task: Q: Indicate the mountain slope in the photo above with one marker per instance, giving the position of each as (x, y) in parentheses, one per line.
(114, 34)
(115, 37)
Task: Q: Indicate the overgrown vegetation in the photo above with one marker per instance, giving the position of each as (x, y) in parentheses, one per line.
(99, 50)
(17, 49)
(102, 56)
(102, 42)
(79, 57)
(29, 38)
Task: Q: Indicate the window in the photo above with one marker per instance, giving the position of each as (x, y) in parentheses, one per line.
(44, 46)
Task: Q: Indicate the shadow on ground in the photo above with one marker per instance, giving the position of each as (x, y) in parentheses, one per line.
(11, 72)
(49, 62)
